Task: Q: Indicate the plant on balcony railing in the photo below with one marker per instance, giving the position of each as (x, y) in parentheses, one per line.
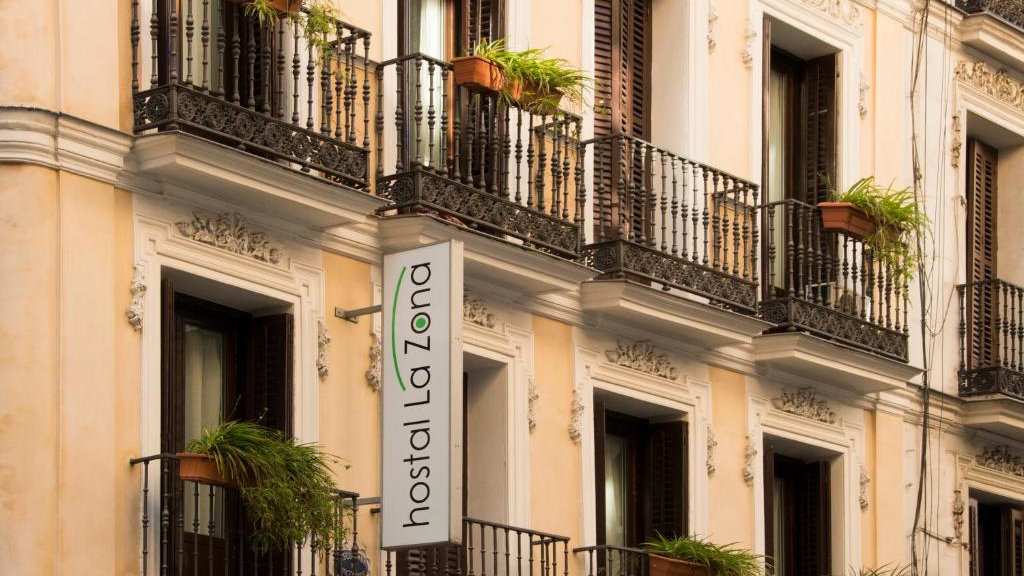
(692, 556)
(286, 486)
(266, 11)
(527, 77)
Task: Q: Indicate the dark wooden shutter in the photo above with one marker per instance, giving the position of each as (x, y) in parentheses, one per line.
(481, 21)
(819, 128)
(269, 398)
(981, 304)
(812, 522)
(1015, 545)
(666, 480)
(974, 537)
(599, 471)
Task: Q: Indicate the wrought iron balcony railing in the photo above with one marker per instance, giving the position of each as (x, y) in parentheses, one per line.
(206, 67)
(1010, 11)
(477, 159)
(830, 284)
(607, 560)
(991, 339)
(663, 219)
(487, 549)
(193, 528)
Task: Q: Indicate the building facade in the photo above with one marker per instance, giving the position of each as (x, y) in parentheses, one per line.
(659, 337)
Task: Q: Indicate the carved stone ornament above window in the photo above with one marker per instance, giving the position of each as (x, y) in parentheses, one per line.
(230, 231)
(475, 310)
(644, 357)
(997, 84)
(1001, 459)
(845, 11)
(804, 402)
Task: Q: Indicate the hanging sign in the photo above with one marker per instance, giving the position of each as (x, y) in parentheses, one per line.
(422, 396)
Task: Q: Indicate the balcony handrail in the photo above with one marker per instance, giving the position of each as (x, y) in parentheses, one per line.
(990, 281)
(502, 526)
(417, 55)
(600, 547)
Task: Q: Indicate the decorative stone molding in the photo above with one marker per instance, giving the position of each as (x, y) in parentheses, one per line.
(749, 454)
(230, 231)
(138, 291)
(804, 402)
(1001, 459)
(865, 480)
(845, 11)
(643, 357)
(373, 372)
(958, 515)
(475, 310)
(532, 395)
(957, 142)
(712, 23)
(576, 418)
(322, 340)
(747, 55)
(862, 96)
(997, 84)
(712, 444)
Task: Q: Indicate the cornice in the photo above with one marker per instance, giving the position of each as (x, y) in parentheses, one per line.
(62, 142)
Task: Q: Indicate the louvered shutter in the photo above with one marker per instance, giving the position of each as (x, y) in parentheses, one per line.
(599, 471)
(482, 20)
(982, 305)
(819, 128)
(812, 556)
(1015, 546)
(270, 391)
(666, 480)
(973, 535)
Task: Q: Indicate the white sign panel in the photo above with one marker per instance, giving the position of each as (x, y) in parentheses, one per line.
(422, 396)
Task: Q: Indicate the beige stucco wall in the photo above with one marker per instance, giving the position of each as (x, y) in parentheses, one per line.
(734, 523)
(729, 94)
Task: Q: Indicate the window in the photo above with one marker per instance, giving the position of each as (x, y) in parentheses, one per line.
(640, 477)
(797, 530)
(982, 179)
(997, 537)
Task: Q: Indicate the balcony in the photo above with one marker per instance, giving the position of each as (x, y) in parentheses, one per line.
(994, 27)
(207, 78)
(839, 311)
(607, 560)
(194, 528)
(487, 549)
(671, 234)
(991, 371)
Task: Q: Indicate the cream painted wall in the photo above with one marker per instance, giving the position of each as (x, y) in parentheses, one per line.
(890, 541)
(729, 87)
(735, 522)
(556, 26)
(869, 517)
(29, 53)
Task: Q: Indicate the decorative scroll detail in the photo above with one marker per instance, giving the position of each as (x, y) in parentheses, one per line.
(643, 357)
(804, 402)
(958, 515)
(138, 291)
(956, 144)
(747, 55)
(862, 96)
(576, 418)
(532, 396)
(865, 480)
(207, 114)
(373, 372)
(322, 340)
(749, 455)
(230, 231)
(712, 444)
(475, 310)
(997, 84)
(420, 190)
(712, 26)
(616, 258)
(1001, 459)
(845, 11)
(835, 325)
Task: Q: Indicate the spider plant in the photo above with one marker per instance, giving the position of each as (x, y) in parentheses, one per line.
(264, 11)
(286, 486)
(542, 81)
(722, 560)
(883, 570)
(318, 24)
(898, 218)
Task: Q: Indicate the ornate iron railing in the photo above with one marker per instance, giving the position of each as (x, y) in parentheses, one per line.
(830, 284)
(991, 339)
(607, 560)
(487, 549)
(661, 218)
(214, 71)
(1010, 11)
(477, 159)
(193, 528)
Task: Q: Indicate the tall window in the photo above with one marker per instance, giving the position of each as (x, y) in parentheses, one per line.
(796, 496)
(997, 537)
(981, 297)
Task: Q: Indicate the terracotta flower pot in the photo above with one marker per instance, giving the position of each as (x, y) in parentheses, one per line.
(544, 101)
(281, 5)
(477, 72)
(665, 566)
(200, 468)
(846, 218)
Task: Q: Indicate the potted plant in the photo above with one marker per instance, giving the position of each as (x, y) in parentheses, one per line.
(481, 70)
(286, 486)
(544, 81)
(699, 557)
(267, 11)
(318, 23)
(883, 217)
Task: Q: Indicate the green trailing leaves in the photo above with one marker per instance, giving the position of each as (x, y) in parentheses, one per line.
(543, 81)
(723, 560)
